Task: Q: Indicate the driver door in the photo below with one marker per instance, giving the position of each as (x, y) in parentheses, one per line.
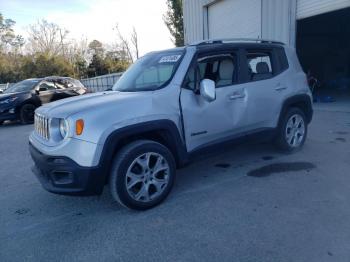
(209, 122)
(46, 91)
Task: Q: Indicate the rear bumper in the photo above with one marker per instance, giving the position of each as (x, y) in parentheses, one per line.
(61, 175)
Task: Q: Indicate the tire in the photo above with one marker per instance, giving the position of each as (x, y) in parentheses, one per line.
(26, 114)
(292, 131)
(136, 166)
(1, 122)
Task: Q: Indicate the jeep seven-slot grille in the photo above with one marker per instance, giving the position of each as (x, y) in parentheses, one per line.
(41, 126)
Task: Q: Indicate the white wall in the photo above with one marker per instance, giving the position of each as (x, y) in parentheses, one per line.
(275, 19)
(234, 19)
(278, 20)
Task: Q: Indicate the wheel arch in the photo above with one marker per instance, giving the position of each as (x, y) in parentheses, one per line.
(161, 131)
(303, 102)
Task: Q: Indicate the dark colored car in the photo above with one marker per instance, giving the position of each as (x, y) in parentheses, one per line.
(19, 101)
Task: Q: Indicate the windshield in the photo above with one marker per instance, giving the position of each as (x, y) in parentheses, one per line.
(22, 86)
(150, 72)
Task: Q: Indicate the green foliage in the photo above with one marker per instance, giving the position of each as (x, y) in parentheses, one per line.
(105, 62)
(50, 54)
(174, 21)
(43, 65)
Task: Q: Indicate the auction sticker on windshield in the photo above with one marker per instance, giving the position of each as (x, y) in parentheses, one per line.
(169, 59)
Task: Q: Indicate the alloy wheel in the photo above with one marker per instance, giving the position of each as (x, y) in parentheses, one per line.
(295, 130)
(147, 177)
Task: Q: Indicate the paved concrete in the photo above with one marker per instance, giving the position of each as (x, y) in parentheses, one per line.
(215, 212)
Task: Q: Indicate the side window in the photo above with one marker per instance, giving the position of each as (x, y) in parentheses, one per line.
(64, 83)
(47, 85)
(221, 69)
(259, 65)
(191, 79)
(61, 84)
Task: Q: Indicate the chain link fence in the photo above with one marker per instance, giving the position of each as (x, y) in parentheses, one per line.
(100, 83)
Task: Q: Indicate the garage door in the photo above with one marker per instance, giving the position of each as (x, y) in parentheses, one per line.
(234, 19)
(307, 8)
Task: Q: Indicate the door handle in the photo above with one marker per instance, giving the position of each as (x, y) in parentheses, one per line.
(279, 88)
(237, 96)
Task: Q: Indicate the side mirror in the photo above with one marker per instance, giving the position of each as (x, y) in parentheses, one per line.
(41, 89)
(207, 90)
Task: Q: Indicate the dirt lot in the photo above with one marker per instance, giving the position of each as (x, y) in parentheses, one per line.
(250, 203)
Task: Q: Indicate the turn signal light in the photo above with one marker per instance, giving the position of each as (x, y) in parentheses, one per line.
(79, 127)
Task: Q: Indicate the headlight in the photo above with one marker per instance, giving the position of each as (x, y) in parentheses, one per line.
(8, 100)
(64, 127)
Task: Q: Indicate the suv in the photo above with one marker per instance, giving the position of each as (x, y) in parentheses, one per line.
(166, 108)
(19, 101)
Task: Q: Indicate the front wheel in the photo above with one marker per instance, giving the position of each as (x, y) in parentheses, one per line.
(26, 114)
(292, 131)
(142, 175)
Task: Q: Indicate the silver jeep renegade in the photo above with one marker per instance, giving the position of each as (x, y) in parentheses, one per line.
(165, 109)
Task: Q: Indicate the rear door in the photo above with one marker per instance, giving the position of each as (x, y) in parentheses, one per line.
(208, 122)
(264, 86)
(46, 91)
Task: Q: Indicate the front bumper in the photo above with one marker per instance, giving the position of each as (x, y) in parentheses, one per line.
(61, 175)
(7, 115)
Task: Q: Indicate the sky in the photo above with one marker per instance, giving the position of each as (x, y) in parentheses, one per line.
(95, 19)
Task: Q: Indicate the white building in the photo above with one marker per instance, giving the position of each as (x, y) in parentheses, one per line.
(319, 29)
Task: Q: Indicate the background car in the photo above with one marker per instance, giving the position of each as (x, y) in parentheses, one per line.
(19, 101)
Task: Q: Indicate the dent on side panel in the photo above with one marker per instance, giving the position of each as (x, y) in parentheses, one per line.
(206, 121)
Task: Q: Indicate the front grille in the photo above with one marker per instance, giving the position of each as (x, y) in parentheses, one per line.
(42, 126)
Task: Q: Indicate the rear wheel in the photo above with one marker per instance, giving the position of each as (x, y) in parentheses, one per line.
(26, 114)
(142, 175)
(292, 131)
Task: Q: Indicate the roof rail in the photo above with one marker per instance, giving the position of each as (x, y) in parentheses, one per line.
(233, 40)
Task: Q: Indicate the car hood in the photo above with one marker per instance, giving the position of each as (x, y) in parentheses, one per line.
(8, 95)
(89, 102)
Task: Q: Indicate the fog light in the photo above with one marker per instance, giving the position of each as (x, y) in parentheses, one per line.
(12, 111)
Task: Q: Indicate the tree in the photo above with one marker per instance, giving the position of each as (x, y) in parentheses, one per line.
(135, 42)
(97, 66)
(124, 44)
(42, 65)
(96, 47)
(48, 38)
(7, 34)
(173, 19)
(115, 62)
